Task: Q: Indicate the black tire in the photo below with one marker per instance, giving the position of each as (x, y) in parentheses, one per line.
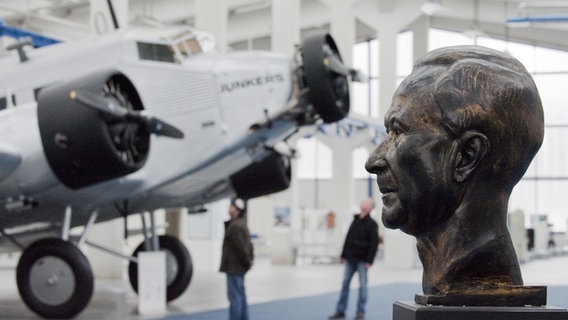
(54, 278)
(178, 265)
(328, 90)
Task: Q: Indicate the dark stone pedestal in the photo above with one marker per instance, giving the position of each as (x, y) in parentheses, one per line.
(409, 310)
(495, 296)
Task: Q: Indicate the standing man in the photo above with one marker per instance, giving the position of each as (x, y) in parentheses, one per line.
(236, 259)
(358, 253)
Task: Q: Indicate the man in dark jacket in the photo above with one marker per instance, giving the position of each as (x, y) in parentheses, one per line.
(236, 259)
(358, 253)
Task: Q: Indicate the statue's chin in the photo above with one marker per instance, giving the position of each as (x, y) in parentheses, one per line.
(393, 216)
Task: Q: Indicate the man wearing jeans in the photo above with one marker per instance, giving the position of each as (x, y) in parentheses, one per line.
(236, 259)
(358, 253)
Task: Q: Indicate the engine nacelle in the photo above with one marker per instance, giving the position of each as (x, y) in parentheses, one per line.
(270, 175)
(84, 146)
(325, 77)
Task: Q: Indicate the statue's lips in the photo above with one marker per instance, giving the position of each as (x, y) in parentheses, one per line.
(386, 190)
(386, 187)
(389, 198)
(389, 194)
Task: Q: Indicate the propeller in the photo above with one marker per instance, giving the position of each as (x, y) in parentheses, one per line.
(115, 111)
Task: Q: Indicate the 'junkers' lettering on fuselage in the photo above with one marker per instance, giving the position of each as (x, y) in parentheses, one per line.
(252, 82)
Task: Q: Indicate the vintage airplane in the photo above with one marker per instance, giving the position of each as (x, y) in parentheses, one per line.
(137, 120)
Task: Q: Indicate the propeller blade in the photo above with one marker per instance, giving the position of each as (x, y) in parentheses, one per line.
(155, 125)
(358, 76)
(333, 62)
(98, 103)
(161, 128)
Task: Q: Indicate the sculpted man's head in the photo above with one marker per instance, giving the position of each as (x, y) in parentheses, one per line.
(462, 128)
(466, 118)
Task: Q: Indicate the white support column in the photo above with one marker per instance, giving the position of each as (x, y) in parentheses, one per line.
(387, 67)
(203, 235)
(518, 234)
(285, 25)
(276, 241)
(279, 242)
(212, 16)
(539, 222)
(342, 30)
(175, 222)
(341, 198)
(420, 31)
(391, 19)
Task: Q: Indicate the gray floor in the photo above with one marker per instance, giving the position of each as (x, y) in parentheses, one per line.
(265, 283)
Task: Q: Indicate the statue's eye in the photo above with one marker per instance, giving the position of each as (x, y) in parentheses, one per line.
(393, 132)
(394, 129)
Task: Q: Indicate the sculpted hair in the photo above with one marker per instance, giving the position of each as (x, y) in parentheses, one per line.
(477, 88)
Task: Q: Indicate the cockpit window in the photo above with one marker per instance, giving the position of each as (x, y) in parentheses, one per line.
(194, 45)
(187, 44)
(155, 52)
(173, 46)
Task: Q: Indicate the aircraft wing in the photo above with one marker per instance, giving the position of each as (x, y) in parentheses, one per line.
(258, 164)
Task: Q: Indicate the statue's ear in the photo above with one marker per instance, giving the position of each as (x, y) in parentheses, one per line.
(473, 146)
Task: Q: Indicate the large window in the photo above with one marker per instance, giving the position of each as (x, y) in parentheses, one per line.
(365, 96)
(315, 159)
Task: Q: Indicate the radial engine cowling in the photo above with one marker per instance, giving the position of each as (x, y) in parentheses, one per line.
(84, 146)
(271, 174)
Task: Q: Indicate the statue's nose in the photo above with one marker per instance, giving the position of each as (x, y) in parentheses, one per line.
(376, 162)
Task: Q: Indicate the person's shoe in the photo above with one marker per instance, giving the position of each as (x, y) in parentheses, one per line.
(337, 315)
(360, 316)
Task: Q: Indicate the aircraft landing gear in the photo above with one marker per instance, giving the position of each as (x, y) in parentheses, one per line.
(54, 278)
(179, 267)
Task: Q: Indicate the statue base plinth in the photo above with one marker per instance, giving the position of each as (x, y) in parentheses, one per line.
(409, 310)
(488, 296)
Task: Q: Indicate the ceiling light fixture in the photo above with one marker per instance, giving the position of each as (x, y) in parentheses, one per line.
(429, 8)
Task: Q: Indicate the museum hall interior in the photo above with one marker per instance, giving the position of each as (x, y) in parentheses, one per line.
(243, 159)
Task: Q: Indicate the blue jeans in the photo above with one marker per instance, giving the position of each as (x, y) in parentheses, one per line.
(238, 308)
(351, 267)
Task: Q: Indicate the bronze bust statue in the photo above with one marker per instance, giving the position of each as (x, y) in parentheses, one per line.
(462, 128)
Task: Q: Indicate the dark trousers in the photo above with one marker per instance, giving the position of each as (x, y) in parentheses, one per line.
(238, 308)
